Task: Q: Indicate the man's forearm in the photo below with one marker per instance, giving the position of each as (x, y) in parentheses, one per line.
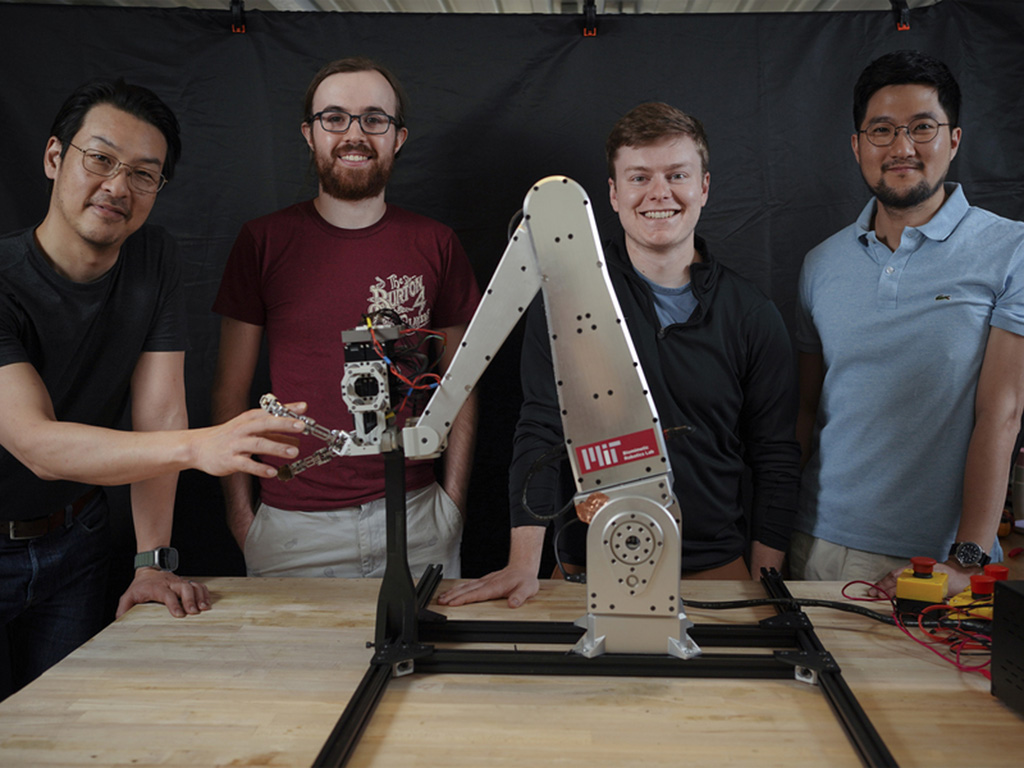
(997, 416)
(158, 403)
(458, 457)
(763, 556)
(100, 456)
(985, 477)
(61, 450)
(153, 511)
(526, 546)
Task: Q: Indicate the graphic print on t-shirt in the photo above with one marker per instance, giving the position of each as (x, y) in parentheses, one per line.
(403, 294)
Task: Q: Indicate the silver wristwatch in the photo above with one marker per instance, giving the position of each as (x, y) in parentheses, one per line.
(969, 554)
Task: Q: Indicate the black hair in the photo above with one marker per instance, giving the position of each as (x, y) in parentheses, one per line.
(906, 68)
(136, 100)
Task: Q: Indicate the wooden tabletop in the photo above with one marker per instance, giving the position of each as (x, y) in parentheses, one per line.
(261, 679)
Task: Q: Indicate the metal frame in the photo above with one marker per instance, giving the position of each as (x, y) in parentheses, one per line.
(405, 627)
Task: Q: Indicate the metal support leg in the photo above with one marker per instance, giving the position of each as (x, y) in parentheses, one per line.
(396, 603)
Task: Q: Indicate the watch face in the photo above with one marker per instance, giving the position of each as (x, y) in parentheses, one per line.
(166, 558)
(968, 553)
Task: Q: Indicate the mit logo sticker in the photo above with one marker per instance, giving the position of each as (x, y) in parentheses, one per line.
(621, 450)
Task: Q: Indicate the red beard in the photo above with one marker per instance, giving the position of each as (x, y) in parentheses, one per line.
(350, 184)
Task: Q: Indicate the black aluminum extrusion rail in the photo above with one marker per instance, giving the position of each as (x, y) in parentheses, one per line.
(851, 716)
(789, 629)
(353, 721)
(403, 623)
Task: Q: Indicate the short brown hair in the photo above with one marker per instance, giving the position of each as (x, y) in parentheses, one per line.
(356, 64)
(651, 122)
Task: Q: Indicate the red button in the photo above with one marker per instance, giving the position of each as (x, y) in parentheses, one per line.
(922, 566)
(997, 572)
(982, 585)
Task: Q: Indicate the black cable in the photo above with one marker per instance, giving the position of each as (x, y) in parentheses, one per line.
(979, 626)
(792, 603)
(548, 457)
(539, 463)
(578, 578)
(513, 223)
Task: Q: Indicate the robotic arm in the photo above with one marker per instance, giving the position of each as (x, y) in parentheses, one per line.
(610, 425)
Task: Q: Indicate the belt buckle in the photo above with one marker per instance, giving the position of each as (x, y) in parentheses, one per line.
(12, 531)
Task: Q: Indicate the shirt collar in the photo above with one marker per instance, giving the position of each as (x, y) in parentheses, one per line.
(938, 227)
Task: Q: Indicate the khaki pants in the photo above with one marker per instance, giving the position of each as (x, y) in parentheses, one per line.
(352, 542)
(819, 560)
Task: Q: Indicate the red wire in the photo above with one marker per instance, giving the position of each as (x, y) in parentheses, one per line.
(955, 644)
(433, 379)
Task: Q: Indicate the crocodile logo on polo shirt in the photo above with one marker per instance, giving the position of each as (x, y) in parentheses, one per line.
(943, 297)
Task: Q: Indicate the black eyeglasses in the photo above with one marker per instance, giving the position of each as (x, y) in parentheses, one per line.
(142, 180)
(339, 121)
(920, 132)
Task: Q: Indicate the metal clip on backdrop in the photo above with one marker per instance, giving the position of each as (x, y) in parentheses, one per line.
(238, 16)
(902, 12)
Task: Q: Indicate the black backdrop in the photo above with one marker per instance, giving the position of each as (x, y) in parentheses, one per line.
(497, 103)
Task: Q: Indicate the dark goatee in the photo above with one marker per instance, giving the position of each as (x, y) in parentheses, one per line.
(910, 198)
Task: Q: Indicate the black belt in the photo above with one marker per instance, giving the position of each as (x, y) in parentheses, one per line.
(16, 530)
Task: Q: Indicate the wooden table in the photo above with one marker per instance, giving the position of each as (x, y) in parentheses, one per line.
(261, 679)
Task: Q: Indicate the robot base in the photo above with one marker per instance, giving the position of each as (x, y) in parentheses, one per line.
(633, 564)
(636, 634)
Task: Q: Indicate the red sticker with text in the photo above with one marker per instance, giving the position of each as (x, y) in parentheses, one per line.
(619, 450)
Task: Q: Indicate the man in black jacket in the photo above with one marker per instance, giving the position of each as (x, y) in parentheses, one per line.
(716, 355)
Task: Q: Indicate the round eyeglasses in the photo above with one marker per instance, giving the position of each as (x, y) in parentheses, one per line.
(339, 121)
(142, 180)
(920, 132)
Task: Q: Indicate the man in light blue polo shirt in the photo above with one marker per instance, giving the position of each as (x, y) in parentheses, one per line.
(911, 334)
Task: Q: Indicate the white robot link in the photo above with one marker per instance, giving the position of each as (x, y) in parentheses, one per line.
(612, 433)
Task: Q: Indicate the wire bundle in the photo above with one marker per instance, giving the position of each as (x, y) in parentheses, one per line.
(952, 633)
(408, 361)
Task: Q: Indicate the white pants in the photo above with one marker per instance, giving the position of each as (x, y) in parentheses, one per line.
(352, 542)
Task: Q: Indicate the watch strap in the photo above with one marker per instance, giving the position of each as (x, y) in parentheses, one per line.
(161, 558)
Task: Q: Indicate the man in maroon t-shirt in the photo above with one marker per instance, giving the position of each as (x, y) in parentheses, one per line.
(303, 275)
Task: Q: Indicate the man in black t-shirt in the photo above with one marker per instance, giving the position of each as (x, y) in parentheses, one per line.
(91, 325)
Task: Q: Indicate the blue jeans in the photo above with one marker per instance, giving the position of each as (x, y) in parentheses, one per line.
(52, 592)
